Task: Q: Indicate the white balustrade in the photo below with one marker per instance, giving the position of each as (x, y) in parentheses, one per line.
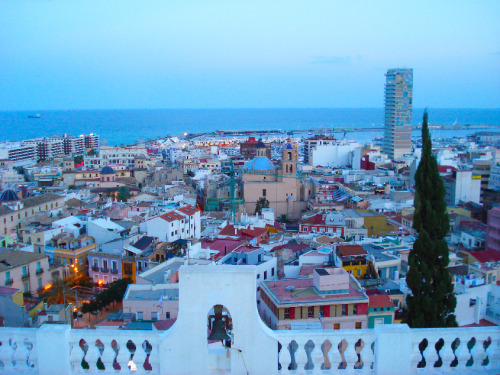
(448, 350)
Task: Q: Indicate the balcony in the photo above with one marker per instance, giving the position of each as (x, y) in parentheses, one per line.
(25, 277)
(9, 282)
(39, 271)
(114, 270)
(104, 270)
(183, 349)
(95, 268)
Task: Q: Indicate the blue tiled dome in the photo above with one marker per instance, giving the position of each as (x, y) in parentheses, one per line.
(260, 164)
(8, 196)
(107, 170)
(289, 146)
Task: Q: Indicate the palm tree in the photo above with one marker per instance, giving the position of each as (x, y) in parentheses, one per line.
(58, 291)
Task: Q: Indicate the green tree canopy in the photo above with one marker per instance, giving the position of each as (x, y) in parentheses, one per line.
(262, 202)
(123, 194)
(432, 302)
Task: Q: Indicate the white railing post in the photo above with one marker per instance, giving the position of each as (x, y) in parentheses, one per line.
(393, 349)
(53, 349)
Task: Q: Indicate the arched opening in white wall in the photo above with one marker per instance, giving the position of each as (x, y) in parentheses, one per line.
(220, 338)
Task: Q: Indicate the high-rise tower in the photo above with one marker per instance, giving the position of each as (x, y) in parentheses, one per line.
(398, 108)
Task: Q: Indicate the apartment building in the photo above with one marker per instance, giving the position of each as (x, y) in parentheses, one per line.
(181, 223)
(26, 271)
(332, 298)
(19, 153)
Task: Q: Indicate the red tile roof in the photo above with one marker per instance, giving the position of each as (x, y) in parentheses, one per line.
(380, 300)
(350, 250)
(487, 256)
(172, 216)
(228, 230)
(294, 247)
(7, 291)
(188, 210)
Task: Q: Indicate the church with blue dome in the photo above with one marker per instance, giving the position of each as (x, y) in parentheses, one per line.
(280, 184)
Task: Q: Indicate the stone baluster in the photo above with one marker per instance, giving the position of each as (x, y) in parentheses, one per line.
(335, 356)
(416, 356)
(494, 352)
(446, 352)
(462, 353)
(92, 354)
(478, 352)
(350, 354)
(76, 356)
(5, 354)
(108, 355)
(367, 355)
(317, 354)
(20, 355)
(8, 353)
(284, 355)
(430, 353)
(153, 356)
(123, 355)
(300, 354)
(140, 355)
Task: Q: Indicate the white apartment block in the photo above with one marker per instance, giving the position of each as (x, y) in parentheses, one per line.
(20, 154)
(115, 155)
(47, 148)
(181, 223)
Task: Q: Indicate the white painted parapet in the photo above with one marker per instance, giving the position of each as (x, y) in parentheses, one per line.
(184, 349)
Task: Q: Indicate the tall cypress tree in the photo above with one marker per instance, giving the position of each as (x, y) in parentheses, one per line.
(432, 301)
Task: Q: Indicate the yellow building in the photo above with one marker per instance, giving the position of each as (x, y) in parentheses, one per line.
(353, 259)
(72, 252)
(376, 223)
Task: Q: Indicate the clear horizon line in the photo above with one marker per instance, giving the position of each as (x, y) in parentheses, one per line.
(231, 108)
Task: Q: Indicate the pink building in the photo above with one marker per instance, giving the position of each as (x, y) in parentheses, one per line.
(493, 229)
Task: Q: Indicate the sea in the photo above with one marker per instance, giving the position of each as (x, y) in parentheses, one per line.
(122, 127)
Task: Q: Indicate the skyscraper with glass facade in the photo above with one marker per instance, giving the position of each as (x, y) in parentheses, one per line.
(398, 109)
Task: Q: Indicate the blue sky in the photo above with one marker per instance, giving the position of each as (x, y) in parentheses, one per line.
(100, 54)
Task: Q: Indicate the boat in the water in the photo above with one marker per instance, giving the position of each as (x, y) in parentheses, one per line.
(34, 116)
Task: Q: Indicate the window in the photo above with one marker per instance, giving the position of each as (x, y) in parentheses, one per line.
(265, 275)
(379, 321)
(154, 316)
(114, 265)
(7, 277)
(344, 310)
(96, 263)
(258, 276)
(40, 283)
(167, 315)
(25, 288)
(287, 313)
(336, 326)
(138, 315)
(104, 263)
(106, 280)
(38, 266)
(310, 312)
(358, 325)
(264, 192)
(272, 271)
(322, 310)
(25, 271)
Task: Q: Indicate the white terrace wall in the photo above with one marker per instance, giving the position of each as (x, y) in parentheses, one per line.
(384, 350)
